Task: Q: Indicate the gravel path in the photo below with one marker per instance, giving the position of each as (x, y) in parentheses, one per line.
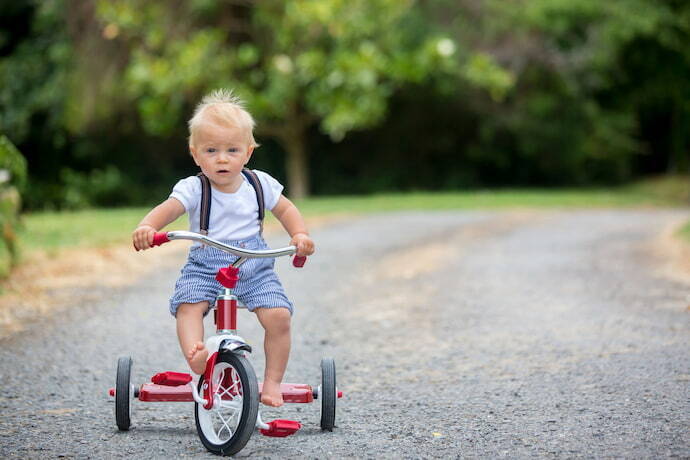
(469, 334)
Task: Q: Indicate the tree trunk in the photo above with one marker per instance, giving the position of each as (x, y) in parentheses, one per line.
(296, 163)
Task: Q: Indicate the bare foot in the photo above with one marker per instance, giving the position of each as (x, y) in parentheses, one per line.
(196, 357)
(271, 394)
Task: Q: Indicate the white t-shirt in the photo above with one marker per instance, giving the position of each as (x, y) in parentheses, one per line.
(234, 216)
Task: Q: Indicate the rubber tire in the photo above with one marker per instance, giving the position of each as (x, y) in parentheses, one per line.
(123, 385)
(250, 407)
(328, 394)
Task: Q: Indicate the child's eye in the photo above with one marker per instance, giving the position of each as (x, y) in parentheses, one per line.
(233, 150)
(210, 150)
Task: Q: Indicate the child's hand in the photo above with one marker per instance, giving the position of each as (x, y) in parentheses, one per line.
(142, 237)
(304, 244)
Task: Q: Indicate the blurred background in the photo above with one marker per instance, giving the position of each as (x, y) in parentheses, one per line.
(352, 97)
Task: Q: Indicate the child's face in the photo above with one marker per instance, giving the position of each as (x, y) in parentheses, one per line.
(221, 153)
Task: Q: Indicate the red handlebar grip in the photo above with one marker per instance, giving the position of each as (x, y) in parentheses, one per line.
(160, 238)
(299, 261)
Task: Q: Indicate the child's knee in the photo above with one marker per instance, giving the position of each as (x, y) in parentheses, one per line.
(275, 320)
(186, 310)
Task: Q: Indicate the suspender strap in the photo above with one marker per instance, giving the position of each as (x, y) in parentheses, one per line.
(254, 181)
(205, 211)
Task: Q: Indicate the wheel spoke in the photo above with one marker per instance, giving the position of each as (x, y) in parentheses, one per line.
(219, 378)
(229, 410)
(225, 425)
(235, 385)
(228, 389)
(236, 381)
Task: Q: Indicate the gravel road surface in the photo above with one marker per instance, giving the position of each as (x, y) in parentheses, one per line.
(464, 334)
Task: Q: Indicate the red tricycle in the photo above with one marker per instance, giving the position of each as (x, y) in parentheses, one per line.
(226, 396)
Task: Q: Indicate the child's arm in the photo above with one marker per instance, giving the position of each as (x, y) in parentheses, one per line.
(292, 221)
(159, 217)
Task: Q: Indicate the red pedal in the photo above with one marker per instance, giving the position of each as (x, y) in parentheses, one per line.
(171, 379)
(281, 428)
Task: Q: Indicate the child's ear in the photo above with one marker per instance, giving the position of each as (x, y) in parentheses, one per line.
(250, 150)
(192, 152)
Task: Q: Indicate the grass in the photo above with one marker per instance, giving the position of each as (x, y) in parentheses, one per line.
(665, 191)
(99, 227)
(51, 231)
(469, 200)
(684, 232)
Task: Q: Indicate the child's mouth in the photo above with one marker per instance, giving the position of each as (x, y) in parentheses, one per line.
(222, 171)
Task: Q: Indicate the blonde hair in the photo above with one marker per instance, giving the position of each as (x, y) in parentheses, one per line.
(223, 108)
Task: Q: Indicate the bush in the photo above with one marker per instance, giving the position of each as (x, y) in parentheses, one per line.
(12, 179)
(100, 187)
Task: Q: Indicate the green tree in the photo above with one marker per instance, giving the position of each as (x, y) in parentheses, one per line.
(588, 77)
(519, 92)
(34, 66)
(334, 63)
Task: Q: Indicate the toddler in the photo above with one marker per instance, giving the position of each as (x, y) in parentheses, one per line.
(221, 142)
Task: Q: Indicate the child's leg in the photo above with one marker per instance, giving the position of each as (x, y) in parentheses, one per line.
(276, 322)
(190, 332)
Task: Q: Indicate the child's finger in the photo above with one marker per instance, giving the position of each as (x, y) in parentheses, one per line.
(307, 248)
(141, 241)
(135, 242)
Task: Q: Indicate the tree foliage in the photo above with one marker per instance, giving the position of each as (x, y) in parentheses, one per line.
(333, 63)
(581, 86)
(359, 96)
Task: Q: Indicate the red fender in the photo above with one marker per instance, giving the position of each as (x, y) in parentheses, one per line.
(208, 381)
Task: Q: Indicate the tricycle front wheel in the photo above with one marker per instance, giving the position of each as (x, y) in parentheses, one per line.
(226, 428)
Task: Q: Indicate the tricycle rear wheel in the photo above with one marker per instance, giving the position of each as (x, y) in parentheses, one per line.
(327, 394)
(123, 385)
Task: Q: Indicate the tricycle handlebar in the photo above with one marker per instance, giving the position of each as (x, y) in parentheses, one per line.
(164, 237)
